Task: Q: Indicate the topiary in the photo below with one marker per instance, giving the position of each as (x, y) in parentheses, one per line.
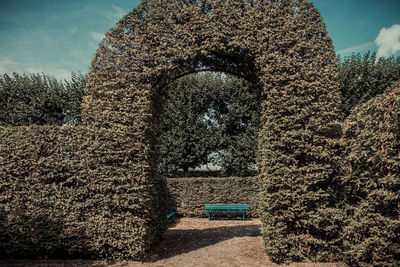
(371, 140)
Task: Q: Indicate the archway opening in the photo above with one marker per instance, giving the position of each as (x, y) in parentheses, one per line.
(209, 125)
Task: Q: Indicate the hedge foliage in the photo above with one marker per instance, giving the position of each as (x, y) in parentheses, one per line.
(40, 99)
(283, 48)
(362, 77)
(297, 138)
(190, 195)
(371, 141)
(70, 191)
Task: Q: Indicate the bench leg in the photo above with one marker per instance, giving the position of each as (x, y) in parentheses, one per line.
(243, 216)
(209, 216)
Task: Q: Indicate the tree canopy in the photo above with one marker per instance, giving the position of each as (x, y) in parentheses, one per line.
(209, 118)
(27, 99)
(361, 77)
(187, 136)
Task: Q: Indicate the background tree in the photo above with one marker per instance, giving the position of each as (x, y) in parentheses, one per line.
(30, 99)
(237, 111)
(40, 99)
(362, 77)
(187, 136)
(73, 97)
(209, 118)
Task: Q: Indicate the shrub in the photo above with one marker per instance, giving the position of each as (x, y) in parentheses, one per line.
(371, 236)
(75, 192)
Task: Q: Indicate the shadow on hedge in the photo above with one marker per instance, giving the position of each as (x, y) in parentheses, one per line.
(38, 235)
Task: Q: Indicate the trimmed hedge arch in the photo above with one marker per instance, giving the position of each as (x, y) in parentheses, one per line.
(280, 45)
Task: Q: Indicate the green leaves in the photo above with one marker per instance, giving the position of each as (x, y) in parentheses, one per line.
(72, 191)
(209, 114)
(372, 182)
(40, 99)
(187, 138)
(236, 115)
(364, 77)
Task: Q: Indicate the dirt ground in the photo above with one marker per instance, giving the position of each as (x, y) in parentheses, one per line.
(196, 242)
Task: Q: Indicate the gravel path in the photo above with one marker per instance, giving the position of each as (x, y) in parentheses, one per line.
(196, 242)
(216, 243)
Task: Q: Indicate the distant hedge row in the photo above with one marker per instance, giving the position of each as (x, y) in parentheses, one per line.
(190, 195)
(75, 192)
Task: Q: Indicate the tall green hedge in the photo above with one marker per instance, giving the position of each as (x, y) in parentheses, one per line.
(190, 195)
(371, 141)
(280, 46)
(75, 192)
(296, 138)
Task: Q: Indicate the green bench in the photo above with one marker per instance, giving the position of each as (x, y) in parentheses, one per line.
(171, 213)
(226, 208)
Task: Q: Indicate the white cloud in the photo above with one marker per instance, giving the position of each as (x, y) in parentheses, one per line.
(115, 14)
(97, 36)
(8, 66)
(388, 41)
(59, 73)
(118, 12)
(357, 48)
(73, 30)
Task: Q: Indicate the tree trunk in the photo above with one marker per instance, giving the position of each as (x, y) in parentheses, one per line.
(186, 172)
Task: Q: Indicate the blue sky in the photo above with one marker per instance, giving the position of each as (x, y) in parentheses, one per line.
(58, 37)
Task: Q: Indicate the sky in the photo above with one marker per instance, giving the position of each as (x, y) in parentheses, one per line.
(58, 37)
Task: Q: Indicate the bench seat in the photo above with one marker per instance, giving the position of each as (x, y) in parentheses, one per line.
(226, 208)
(171, 213)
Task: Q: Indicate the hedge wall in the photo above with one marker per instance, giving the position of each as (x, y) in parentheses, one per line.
(282, 47)
(75, 192)
(371, 141)
(190, 195)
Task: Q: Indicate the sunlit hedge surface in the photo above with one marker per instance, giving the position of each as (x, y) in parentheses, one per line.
(190, 195)
(77, 192)
(371, 140)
